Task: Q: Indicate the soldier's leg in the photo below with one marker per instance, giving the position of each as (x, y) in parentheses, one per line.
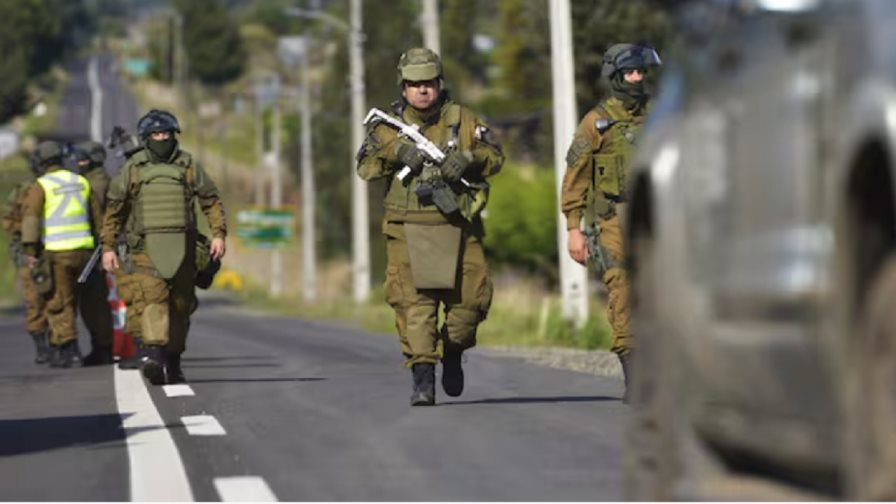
(152, 297)
(465, 308)
(97, 316)
(62, 304)
(35, 317)
(181, 305)
(618, 307)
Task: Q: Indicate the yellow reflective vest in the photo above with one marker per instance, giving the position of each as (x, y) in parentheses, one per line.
(66, 211)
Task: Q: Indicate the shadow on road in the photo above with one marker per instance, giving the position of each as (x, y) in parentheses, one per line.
(535, 400)
(235, 357)
(257, 380)
(247, 365)
(32, 435)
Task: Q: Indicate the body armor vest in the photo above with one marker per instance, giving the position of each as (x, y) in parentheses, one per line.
(613, 159)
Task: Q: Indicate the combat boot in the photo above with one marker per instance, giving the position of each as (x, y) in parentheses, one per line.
(626, 360)
(452, 371)
(154, 365)
(75, 352)
(424, 385)
(41, 347)
(137, 360)
(101, 355)
(55, 356)
(64, 355)
(173, 373)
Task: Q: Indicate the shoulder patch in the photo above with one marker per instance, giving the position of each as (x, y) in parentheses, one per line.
(579, 148)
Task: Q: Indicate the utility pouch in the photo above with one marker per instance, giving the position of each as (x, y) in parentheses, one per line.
(610, 175)
(42, 275)
(434, 251)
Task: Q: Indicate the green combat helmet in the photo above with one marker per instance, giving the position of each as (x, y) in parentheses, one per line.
(419, 64)
(48, 153)
(621, 57)
(96, 152)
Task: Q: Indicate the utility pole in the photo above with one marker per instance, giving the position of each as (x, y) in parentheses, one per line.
(308, 234)
(259, 146)
(360, 219)
(429, 20)
(276, 189)
(573, 276)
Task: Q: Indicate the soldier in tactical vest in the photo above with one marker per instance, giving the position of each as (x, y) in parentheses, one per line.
(35, 305)
(435, 257)
(58, 228)
(154, 197)
(593, 194)
(90, 158)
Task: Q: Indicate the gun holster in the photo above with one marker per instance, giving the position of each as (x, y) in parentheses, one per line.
(42, 274)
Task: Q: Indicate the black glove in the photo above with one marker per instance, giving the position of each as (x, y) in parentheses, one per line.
(454, 166)
(411, 156)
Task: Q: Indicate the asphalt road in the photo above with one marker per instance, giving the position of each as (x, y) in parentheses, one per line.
(304, 411)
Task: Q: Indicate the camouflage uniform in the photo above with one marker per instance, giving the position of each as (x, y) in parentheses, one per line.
(466, 304)
(35, 306)
(160, 288)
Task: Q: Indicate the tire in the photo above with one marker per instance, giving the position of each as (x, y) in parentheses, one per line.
(870, 452)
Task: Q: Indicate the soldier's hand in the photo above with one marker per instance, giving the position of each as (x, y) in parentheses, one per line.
(110, 261)
(454, 166)
(578, 247)
(217, 248)
(411, 156)
(30, 261)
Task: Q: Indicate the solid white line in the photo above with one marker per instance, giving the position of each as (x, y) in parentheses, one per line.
(202, 425)
(96, 100)
(156, 470)
(244, 489)
(179, 390)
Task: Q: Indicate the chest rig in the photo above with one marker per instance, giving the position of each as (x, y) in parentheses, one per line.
(619, 129)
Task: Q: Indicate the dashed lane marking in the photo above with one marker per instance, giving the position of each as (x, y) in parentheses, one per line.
(156, 470)
(244, 489)
(179, 390)
(202, 425)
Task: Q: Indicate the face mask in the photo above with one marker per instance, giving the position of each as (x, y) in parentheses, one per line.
(161, 149)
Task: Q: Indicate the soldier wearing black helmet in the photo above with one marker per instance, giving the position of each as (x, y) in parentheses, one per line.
(90, 158)
(593, 195)
(153, 197)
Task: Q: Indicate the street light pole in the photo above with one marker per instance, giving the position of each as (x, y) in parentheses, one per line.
(429, 20)
(308, 242)
(360, 221)
(573, 277)
(276, 189)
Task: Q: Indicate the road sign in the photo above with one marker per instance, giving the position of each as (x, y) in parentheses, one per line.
(265, 228)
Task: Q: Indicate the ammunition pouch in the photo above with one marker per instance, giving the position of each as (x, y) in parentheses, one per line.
(206, 267)
(42, 275)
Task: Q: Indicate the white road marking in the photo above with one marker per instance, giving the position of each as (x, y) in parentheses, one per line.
(179, 390)
(156, 470)
(96, 100)
(244, 489)
(202, 425)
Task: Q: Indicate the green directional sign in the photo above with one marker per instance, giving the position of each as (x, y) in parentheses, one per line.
(265, 228)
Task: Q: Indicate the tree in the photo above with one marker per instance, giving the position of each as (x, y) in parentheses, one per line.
(212, 41)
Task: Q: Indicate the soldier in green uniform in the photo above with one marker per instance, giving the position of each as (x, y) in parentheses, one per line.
(90, 158)
(435, 256)
(58, 228)
(593, 193)
(35, 305)
(154, 196)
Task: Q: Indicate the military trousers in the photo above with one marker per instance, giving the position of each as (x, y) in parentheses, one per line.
(127, 286)
(62, 301)
(616, 280)
(162, 306)
(35, 304)
(417, 310)
(94, 304)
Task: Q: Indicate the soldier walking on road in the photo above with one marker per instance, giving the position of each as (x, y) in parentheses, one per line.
(432, 223)
(154, 197)
(594, 185)
(94, 304)
(35, 305)
(59, 213)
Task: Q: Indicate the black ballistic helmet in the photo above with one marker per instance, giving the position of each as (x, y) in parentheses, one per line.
(155, 121)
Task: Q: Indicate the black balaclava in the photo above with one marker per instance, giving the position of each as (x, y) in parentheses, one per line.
(633, 95)
(161, 150)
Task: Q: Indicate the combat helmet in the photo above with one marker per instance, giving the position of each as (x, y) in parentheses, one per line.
(48, 153)
(419, 64)
(155, 121)
(621, 57)
(94, 150)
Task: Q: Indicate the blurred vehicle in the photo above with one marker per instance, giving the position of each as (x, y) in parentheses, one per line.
(763, 252)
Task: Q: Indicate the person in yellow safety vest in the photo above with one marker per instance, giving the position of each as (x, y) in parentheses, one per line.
(59, 227)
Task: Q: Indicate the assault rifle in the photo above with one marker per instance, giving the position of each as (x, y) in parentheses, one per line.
(85, 273)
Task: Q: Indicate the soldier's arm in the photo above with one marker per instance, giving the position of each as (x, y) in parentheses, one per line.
(210, 202)
(488, 157)
(32, 218)
(117, 209)
(579, 174)
(11, 215)
(96, 215)
(377, 156)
